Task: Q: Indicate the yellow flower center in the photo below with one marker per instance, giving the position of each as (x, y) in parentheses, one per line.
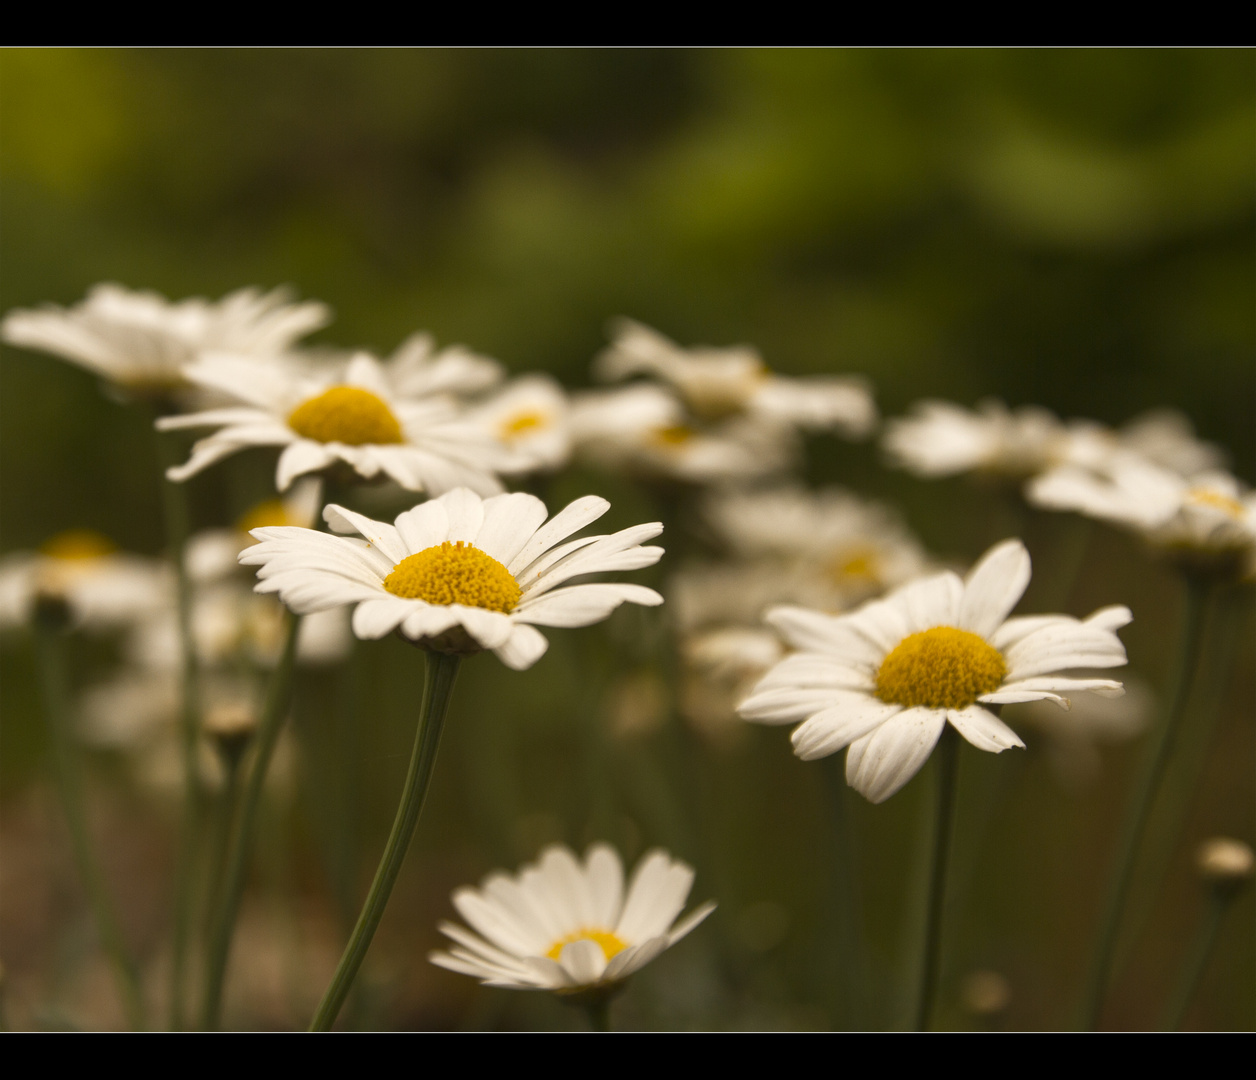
(455, 573)
(605, 940)
(942, 668)
(855, 564)
(346, 414)
(1214, 499)
(513, 427)
(674, 435)
(265, 514)
(78, 545)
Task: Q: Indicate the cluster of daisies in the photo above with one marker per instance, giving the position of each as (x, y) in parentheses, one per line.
(795, 606)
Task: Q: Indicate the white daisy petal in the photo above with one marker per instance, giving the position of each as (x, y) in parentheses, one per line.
(378, 618)
(525, 646)
(382, 535)
(993, 587)
(567, 521)
(466, 514)
(881, 762)
(656, 895)
(828, 731)
(510, 521)
(605, 874)
(813, 631)
(932, 601)
(423, 527)
(584, 961)
(983, 729)
(635, 958)
(580, 605)
(788, 704)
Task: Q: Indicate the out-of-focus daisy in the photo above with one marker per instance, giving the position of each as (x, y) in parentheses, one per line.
(645, 429)
(1207, 522)
(418, 369)
(716, 383)
(942, 439)
(1165, 437)
(529, 418)
(459, 573)
(102, 587)
(887, 678)
(562, 926)
(854, 547)
(321, 418)
(142, 342)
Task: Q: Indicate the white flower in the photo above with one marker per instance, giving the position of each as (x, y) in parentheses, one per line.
(942, 439)
(355, 416)
(141, 341)
(562, 926)
(102, 587)
(418, 369)
(721, 382)
(1165, 437)
(644, 428)
(529, 418)
(887, 678)
(1206, 521)
(852, 547)
(458, 573)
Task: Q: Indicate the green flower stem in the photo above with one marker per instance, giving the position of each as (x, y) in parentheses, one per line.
(1139, 810)
(240, 846)
(943, 829)
(1198, 957)
(50, 644)
(175, 507)
(599, 1010)
(438, 687)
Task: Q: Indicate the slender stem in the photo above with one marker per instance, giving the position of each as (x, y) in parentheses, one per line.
(69, 781)
(274, 712)
(943, 828)
(1140, 806)
(437, 690)
(175, 507)
(599, 1010)
(1197, 958)
(847, 970)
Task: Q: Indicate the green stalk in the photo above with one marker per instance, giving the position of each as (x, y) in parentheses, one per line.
(599, 1010)
(69, 782)
(175, 507)
(274, 712)
(442, 670)
(943, 829)
(1197, 959)
(1140, 807)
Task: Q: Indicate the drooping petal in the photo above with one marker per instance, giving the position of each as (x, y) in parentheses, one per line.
(525, 646)
(375, 619)
(983, 729)
(881, 762)
(584, 961)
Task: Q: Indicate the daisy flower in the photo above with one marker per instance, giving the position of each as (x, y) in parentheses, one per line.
(319, 418)
(716, 383)
(645, 429)
(529, 418)
(887, 678)
(562, 926)
(459, 573)
(142, 342)
(418, 369)
(102, 587)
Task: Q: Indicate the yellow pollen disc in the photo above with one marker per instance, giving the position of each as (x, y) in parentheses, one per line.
(675, 435)
(263, 515)
(606, 941)
(522, 424)
(455, 573)
(942, 668)
(858, 564)
(1217, 501)
(345, 414)
(78, 545)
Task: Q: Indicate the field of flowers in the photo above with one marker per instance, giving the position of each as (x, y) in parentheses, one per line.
(516, 540)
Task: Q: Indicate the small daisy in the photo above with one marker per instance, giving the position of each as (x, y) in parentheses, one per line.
(354, 416)
(142, 342)
(645, 429)
(102, 587)
(1207, 523)
(459, 573)
(565, 927)
(529, 418)
(887, 678)
(716, 383)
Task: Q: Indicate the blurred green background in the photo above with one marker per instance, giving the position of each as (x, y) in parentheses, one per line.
(1067, 228)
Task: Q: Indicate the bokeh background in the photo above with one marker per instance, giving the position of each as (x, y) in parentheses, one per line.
(1067, 228)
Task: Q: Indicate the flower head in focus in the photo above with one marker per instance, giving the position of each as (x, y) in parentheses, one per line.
(143, 343)
(459, 573)
(887, 678)
(354, 415)
(562, 926)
